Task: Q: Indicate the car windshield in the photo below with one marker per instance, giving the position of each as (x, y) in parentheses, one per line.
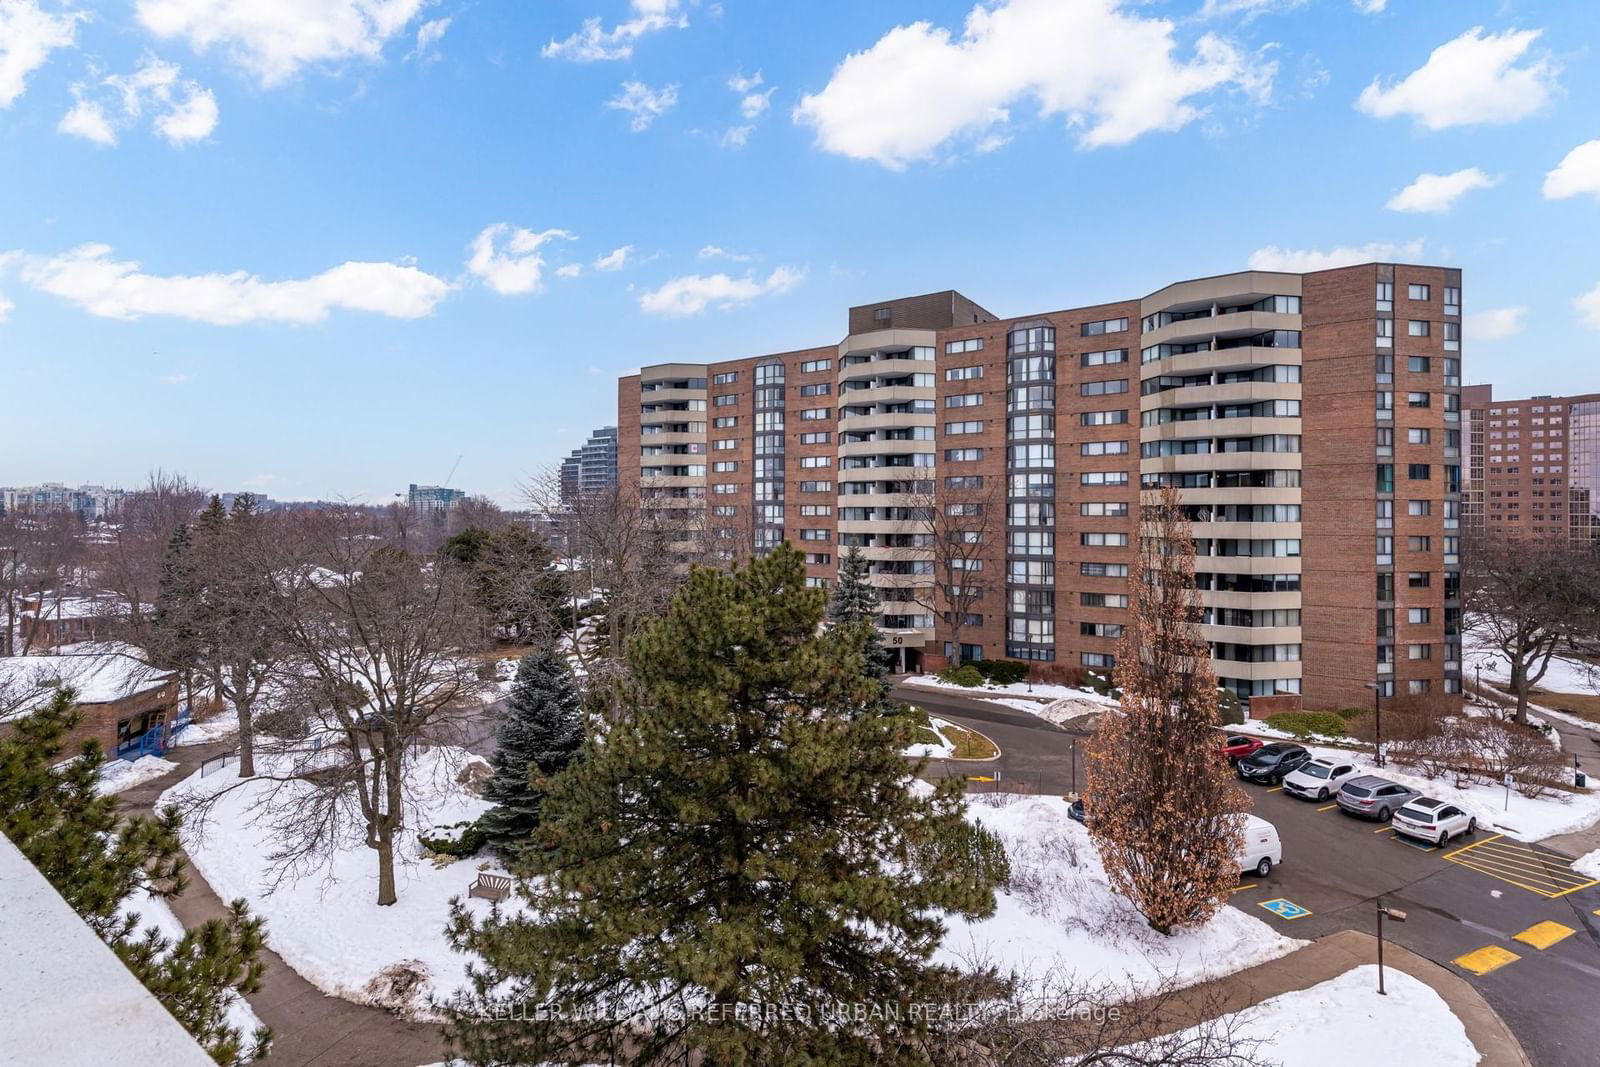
(1316, 770)
(1358, 790)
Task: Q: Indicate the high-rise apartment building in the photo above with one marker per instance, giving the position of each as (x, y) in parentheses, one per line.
(85, 501)
(592, 467)
(1533, 466)
(432, 499)
(1311, 424)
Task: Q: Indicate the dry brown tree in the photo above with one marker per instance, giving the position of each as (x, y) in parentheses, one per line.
(130, 556)
(963, 522)
(1163, 809)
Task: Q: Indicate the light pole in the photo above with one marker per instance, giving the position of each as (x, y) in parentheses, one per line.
(1398, 916)
(1478, 670)
(1377, 720)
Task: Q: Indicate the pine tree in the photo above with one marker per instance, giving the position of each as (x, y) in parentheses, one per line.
(97, 860)
(539, 734)
(855, 603)
(745, 840)
(175, 623)
(1166, 812)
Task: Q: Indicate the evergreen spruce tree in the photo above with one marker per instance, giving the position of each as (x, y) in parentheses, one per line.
(747, 839)
(175, 623)
(96, 860)
(539, 734)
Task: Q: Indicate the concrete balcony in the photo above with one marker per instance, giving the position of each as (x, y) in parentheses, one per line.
(671, 396)
(884, 448)
(1233, 393)
(881, 500)
(888, 394)
(1252, 635)
(1236, 324)
(1250, 530)
(891, 339)
(1249, 565)
(649, 439)
(1238, 496)
(896, 421)
(1246, 358)
(1222, 461)
(883, 526)
(1229, 668)
(1216, 598)
(1240, 287)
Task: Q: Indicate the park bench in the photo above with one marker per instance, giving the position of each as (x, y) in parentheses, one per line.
(495, 887)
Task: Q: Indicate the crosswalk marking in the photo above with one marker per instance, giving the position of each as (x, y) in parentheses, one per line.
(1536, 870)
(1542, 935)
(1488, 958)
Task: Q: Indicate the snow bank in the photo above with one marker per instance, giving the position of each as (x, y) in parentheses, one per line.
(1063, 916)
(117, 775)
(1043, 691)
(1588, 865)
(218, 727)
(943, 750)
(326, 925)
(153, 911)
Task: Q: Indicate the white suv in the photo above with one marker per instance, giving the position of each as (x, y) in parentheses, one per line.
(1433, 820)
(1319, 779)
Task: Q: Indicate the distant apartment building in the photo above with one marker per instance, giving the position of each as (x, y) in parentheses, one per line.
(591, 467)
(89, 502)
(432, 499)
(1311, 424)
(1533, 467)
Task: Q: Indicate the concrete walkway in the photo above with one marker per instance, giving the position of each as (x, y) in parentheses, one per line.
(310, 1028)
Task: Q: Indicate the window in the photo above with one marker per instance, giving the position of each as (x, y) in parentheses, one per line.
(1419, 651)
(816, 487)
(1385, 519)
(1385, 333)
(1417, 364)
(1419, 472)
(963, 455)
(1419, 616)
(1385, 587)
(726, 378)
(1418, 328)
(1385, 445)
(1100, 359)
(1419, 579)
(1095, 329)
(971, 344)
(724, 510)
(1385, 551)
(816, 414)
(725, 488)
(812, 366)
(1103, 448)
(1385, 374)
(962, 374)
(1420, 543)
(1103, 600)
(1120, 385)
(725, 422)
(1417, 292)
(818, 389)
(1104, 418)
(1103, 540)
(1386, 296)
(1452, 300)
(1103, 570)
(1418, 436)
(1097, 659)
(1103, 478)
(726, 400)
(812, 462)
(819, 437)
(1111, 509)
(813, 535)
(964, 481)
(1418, 686)
(1419, 507)
(1386, 477)
(1418, 400)
(963, 400)
(882, 316)
(1100, 629)
(955, 428)
(725, 444)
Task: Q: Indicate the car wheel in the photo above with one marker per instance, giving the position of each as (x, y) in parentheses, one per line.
(1322, 794)
(1472, 825)
(1264, 868)
(1383, 815)
(1444, 838)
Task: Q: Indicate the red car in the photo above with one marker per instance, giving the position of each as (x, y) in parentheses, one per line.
(1237, 746)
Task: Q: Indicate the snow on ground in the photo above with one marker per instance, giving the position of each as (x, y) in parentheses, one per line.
(1588, 865)
(1043, 691)
(326, 924)
(1344, 1021)
(153, 911)
(1062, 915)
(943, 750)
(1565, 674)
(1559, 812)
(218, 727)
(117, 775)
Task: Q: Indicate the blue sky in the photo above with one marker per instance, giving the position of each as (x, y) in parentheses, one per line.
(324, 256)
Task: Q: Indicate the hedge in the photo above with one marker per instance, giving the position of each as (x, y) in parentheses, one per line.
(1304, 724)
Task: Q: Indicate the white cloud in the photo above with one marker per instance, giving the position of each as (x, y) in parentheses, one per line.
(693, 293)
(717, 252)
(1588, 306)
(86, 119)
(741, 84)
(1302, 261)
(429, 34)
(1370, 7)
(736, 136)
(1577, 173)
(1435, 194)
(175, 379)
(1110, 74)
(508, 259)
(5, 307)
(595, 42)
(1471, 80)
(644, 103)
(185, 111)
(1495, 324)
(117, 289)
(569, 270)
(1248, 8)
(614, 260)
(28, 34)
(274, 39)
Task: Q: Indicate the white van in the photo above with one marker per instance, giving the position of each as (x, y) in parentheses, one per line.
(1260, 850)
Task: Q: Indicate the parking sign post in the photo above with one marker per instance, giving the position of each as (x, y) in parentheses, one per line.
(1398, 916)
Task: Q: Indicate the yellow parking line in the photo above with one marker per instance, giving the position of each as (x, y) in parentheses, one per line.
(1542, 866)
(1488, 958)
(1384, 830)
(1475, 844)
(1328, 807)
(1549, 890)
(1542, 935)
(1276, 789)
(1247, 885)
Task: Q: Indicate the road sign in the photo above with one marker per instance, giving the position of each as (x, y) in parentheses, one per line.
(1285, 909)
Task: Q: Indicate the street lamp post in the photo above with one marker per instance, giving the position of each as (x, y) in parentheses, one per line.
(1398, 916)
(1478, 670)
(1377, 720)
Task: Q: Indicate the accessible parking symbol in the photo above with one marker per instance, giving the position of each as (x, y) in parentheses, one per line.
(1285, 909)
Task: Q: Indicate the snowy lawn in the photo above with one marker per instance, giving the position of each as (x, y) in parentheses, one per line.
(152, 911)
(1043, 691)
(327, 924)
(1565, 674)
(1344, 1021)
(117, 775)
(219, 727)
(1588, 865)
(1559, 812)
(944, 748)
(1062, 916)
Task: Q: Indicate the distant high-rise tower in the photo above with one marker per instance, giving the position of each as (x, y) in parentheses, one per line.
(432, 499)
(591, 467)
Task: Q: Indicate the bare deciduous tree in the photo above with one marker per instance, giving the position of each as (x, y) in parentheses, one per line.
(1162, 806)
(130, 559)
(963, 523)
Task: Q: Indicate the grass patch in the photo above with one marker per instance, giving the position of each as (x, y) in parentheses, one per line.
(967, 744)
(1583, 705)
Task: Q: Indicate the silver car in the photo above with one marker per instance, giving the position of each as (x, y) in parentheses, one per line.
(1373, 797)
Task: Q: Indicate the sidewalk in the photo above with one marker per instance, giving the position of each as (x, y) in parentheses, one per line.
(1330, 956)
(309, 1028)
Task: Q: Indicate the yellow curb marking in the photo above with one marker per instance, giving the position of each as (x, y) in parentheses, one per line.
(1542, 935)
(1247, 885)
(980, 778)
(1328, 807)
(1488, 958)
(1384, 830)
(1276, 789)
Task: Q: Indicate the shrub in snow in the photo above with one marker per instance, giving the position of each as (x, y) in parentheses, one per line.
(1308, 723)
(399, 988)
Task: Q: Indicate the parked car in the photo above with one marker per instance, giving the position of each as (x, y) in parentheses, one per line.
(1319, 779)
(1373, 797)
(1238, 746)
(1270, 763)
(1260, 848)
(1433, 820)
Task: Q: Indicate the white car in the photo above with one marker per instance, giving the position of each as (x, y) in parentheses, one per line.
(1433, 820)
(1320, 778)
